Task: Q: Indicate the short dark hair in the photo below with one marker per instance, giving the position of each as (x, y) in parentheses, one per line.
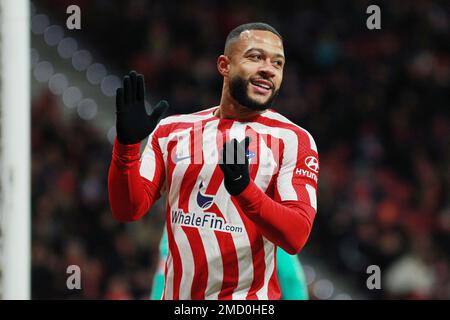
(235, 33)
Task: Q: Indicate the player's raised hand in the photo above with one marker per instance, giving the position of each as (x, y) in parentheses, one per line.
(133, 124)
(234, 165)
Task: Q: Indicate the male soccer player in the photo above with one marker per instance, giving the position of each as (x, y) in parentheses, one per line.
(240, 178)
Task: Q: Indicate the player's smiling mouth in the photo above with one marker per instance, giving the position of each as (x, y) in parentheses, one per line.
(261, 83)
(261, 86)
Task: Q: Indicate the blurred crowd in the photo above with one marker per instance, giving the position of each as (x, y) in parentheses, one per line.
(377, 103)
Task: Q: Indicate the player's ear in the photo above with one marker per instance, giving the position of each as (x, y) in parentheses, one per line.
(223, 65)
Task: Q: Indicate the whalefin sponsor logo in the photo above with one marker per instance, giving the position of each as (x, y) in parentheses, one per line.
(203, 220)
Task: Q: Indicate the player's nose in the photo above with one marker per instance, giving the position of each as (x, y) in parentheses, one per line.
(267, 70)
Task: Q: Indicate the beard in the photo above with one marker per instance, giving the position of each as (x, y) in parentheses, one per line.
(238, 90)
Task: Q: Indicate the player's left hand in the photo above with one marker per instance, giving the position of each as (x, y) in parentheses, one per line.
(133, 124)
(234, 165)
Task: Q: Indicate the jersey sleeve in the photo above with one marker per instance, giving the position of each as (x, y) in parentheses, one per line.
(134, 182)
(287, 218)
(298, 176)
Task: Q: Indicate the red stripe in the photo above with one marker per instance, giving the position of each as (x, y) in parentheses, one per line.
(177, 265)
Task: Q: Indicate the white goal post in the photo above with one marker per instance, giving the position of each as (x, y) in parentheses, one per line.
(15, 197)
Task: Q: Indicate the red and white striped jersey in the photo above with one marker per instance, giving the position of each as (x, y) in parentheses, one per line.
(224, 247)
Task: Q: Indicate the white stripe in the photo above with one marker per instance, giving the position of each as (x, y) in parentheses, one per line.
(312, 196)
(168, 283)
(267, 166)
(148, 161)
(187, 261)
(269, 258)
(276, 116)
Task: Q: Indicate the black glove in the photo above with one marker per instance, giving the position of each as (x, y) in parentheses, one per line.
(133, 124)
(234, 165)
